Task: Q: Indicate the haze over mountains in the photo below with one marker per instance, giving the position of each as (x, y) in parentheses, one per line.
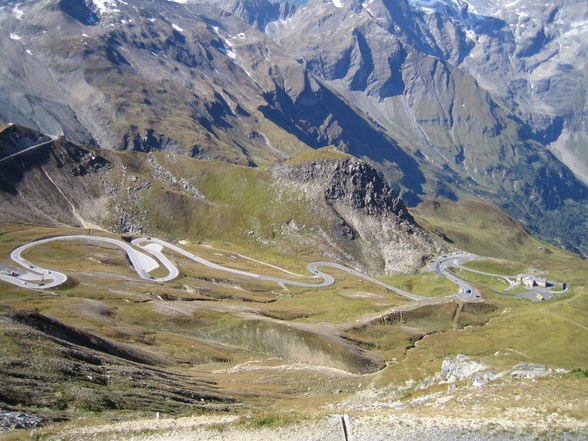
(459, 100)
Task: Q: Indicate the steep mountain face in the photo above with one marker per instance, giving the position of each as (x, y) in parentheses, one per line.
(56, 184)
(367, 216)
(475, 92)
(151, 76)
(338, 204)
(532, 56)
(448, 99)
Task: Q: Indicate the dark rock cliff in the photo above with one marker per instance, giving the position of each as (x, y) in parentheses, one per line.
(368, 220)
(58, 183)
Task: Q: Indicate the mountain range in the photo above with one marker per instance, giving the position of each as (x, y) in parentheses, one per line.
(479, 99)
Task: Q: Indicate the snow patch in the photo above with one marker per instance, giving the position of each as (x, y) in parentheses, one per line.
(510, 5)
(337, 3)
(18, 13)
(30, 52)
(106, 6)
(176, 27)
(432, 6)
(15, 37)
(214, 29)
(183, 2)
(228, 52)
(427, 10)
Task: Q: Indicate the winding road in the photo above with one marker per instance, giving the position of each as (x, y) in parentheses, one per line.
(146, 255)
(441, 266)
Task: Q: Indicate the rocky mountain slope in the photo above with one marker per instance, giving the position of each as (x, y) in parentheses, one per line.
(432, 75)
(445, 99)
(55, 184)
(330, 200)
(369, 217)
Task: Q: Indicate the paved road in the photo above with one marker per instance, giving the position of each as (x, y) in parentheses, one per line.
(143, 262)
(441, 266)
(147, 255)
(28, 149)
(327, 279)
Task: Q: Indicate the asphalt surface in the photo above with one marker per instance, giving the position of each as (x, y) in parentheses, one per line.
(441, 266)
(28, 149)
(37, 277)
(146, 255)
(327, 279)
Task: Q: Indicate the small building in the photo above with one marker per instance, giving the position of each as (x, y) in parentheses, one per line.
(530, 281)
(527, 280)
(541, 281)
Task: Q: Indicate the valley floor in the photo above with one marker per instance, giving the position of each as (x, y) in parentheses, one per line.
(113, 355)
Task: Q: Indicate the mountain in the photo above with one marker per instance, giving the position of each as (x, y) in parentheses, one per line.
(107, 347)
(455, 100)
(445, 82)
(327, 200)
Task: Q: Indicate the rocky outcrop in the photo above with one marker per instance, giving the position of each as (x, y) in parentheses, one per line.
(368, 220)
(56, 184)
(14, 138)
(462, 367)
(18, 420)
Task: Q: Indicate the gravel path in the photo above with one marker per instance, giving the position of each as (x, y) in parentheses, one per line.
(367, 428)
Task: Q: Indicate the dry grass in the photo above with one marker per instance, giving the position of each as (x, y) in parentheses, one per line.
(241, 333)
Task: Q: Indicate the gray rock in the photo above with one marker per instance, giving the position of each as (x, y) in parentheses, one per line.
(530, 370)
(462, 367)
(370, 222)
(18, 420)
(482, 378)
(529, 366)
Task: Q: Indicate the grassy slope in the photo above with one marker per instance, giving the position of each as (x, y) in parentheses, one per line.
(238, 200)
(322, 154)
(481, 228)
(552, 332)
(234, 319)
